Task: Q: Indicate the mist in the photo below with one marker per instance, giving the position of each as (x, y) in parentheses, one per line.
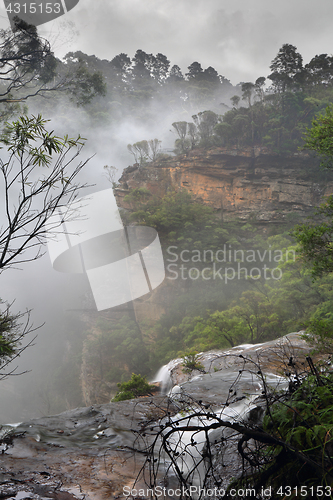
(55, 298)
(238, 41)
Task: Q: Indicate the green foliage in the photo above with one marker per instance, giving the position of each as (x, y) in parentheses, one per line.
(303, 421)
(320, 326)
(6, 347)
(286, 68)
(319, 137)
(28, 137)
(27, 62)
(315, 240)
(205, 122)
(31, 197)
(176, 217)
(182, 144)
(137, 199)
(224, 316)
(13, 330)
(277, 118)
(190, 362)
(295, 455)
(84, 86)
(8, 339)
(137, 386)
(124, 88)
(213, 314)
(37, 178)
(209, 315)
(267, 309)
(144, 151)
(114, 349)
(276, 121)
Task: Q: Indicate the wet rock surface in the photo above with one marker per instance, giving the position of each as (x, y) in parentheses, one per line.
(89, 453)
(271, 357)
(86, 453)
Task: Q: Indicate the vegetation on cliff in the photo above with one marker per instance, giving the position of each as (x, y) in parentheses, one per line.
(38, 173)
(243, 284)
(226, 284)
(284, 442)
(254, 307)
(304, 422)
(315, 238)
(204, 108)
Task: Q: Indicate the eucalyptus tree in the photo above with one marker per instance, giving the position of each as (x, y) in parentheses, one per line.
(319, 71)
(28, 68)
(145, 150)
(286, 67)
(205, 122)
(181, 130)
(27, 64)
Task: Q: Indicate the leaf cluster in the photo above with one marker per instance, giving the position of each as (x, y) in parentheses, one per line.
(319, 137)
(191, 362)
(303, 421)
(37, 178)
(137, 386)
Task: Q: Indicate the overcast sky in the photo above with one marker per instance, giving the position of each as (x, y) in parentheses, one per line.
(239, 38)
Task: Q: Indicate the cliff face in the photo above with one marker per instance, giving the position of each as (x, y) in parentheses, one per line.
(239, 183)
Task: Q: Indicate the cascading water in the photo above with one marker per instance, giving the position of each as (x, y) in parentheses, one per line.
(190, 446)
(228, 388)
(163, 376)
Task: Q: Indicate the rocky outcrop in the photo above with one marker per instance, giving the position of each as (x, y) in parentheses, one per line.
(94, 453)
(273, 357)
(237, 182)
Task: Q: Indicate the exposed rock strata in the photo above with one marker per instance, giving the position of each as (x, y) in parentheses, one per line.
(239, 183)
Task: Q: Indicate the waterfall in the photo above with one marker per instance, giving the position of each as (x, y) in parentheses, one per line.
(164, 376)
(190, 446)
(236, 376)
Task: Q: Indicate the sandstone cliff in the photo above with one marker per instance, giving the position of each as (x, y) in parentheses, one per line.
(238, 183)
(247, 183)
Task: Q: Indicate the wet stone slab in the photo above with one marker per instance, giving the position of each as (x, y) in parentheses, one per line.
(86, 453)
(93, 453)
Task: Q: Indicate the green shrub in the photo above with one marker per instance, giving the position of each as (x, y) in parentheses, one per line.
(135, 387)
(190, 362)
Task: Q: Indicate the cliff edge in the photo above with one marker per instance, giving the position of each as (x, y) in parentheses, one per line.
(238, 183)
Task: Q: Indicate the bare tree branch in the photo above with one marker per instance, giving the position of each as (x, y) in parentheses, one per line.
(37, 179)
